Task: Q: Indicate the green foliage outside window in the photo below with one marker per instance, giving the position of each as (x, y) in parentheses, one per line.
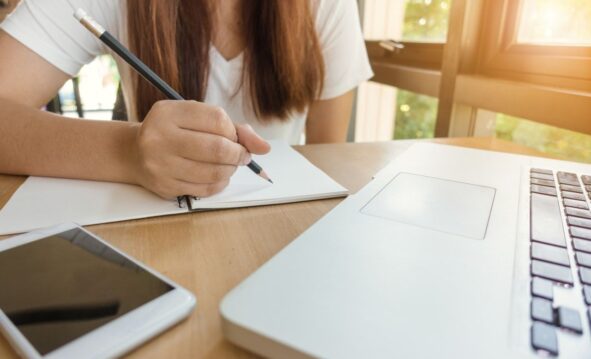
(415, 116)
(426, 20)
(561, 143)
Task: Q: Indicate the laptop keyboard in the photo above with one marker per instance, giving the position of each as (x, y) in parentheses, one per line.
(558, 199)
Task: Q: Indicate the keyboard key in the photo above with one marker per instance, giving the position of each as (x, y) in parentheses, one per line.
(571, 195)
(571, 188)
(575, 204)
(578, 222)
(541, 310)
(586, 180)
(546, 220)
(542, 182)
(576, 212)
(582, 245)
(579, 232)
(587, 294)
(583, 259)
(542, 176)
(551, 254)
(542, 288)
(552, 272)
(585, 275)
(543, 337)
(569, 319)
(567, 178)
(541, 170)
(550, 191)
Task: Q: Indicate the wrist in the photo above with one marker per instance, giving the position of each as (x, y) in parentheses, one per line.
(131, 153)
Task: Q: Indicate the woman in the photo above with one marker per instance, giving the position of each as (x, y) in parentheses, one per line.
(260, 69)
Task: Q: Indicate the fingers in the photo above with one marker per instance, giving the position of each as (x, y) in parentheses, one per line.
(197, 116)
(203, 147)
(199, 190)
(190, 148)
(201, 173)
(251, 140)
(185, 177)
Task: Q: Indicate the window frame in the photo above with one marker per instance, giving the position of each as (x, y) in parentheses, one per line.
(425, 55)
(503, 56)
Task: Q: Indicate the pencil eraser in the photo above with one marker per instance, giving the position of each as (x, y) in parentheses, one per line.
(80, 14)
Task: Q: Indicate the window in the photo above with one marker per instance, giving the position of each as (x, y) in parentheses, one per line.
(98, 83)
(527, 59)
(544, 42)
(383, 112)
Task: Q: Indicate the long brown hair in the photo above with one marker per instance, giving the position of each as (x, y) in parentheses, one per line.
(283, 65)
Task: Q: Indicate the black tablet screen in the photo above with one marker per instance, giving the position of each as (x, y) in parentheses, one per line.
(61, 287)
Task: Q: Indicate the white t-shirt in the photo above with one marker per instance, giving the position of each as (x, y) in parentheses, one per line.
(50, 30)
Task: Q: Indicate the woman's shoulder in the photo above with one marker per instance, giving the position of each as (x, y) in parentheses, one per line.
(341, 39)
(330, 15)
(49, 29)
(333, 8)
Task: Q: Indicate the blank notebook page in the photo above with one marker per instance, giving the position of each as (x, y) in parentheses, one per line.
(294, 179)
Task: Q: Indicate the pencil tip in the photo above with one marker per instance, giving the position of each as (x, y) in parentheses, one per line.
(264, 175)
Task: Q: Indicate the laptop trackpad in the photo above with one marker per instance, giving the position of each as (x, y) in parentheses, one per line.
(438, 204)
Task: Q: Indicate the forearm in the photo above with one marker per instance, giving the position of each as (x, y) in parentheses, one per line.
(38, 143)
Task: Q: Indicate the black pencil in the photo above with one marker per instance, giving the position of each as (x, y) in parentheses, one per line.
(97, 30)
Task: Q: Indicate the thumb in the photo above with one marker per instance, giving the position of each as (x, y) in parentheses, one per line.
(251, 141)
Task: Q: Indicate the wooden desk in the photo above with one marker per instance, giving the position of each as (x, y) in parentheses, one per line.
(211, 252)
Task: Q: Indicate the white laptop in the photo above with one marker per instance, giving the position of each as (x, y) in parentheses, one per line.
(434, 258)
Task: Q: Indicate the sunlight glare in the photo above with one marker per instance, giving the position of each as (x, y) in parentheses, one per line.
(555, 22)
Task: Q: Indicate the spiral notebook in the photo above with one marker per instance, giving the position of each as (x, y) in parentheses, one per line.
(42, 202)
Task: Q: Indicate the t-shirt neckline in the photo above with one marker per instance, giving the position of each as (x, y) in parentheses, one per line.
(235, 61)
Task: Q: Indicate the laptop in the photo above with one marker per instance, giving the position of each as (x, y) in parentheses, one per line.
(447, 253)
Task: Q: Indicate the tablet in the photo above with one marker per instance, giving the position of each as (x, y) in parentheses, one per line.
(65, 293)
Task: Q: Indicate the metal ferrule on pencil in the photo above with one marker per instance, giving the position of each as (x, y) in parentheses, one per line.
(89, 23)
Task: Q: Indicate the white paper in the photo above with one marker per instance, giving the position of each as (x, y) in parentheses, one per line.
(294, 179)
(42, 202)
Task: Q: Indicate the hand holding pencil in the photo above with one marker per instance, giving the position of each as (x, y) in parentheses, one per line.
(190, 148)
(184, 147)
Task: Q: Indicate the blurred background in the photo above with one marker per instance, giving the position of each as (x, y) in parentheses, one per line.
(519, 70)
(551, 25)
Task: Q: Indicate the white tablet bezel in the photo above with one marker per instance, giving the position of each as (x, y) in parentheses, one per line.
(116, 337)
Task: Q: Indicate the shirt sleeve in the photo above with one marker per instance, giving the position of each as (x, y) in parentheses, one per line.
(343, 47)
(49, 29)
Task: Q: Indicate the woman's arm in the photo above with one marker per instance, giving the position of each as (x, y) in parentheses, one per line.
(328, 120)
(39, 143)
(182, 147)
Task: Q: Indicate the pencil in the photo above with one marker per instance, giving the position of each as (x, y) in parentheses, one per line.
(99, 31)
